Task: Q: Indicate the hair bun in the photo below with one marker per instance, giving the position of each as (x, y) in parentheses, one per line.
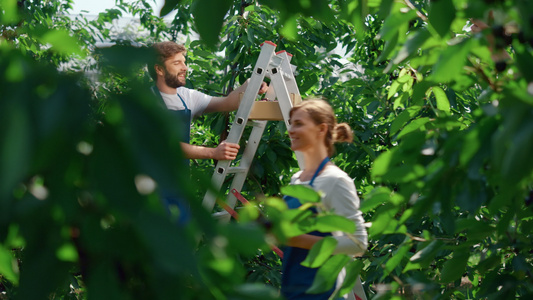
(342, 133)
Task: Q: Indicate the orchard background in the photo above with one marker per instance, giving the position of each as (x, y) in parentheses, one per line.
(443, 121)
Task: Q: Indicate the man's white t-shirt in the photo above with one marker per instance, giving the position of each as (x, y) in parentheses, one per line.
(196, 101)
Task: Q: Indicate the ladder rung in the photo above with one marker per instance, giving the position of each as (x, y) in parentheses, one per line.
(221, 215)
(254, 122)
(235, 170)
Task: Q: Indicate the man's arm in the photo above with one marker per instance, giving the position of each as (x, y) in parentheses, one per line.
(223, 151)
(231, 101)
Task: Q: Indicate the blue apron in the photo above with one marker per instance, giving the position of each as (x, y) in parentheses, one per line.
(296, 279)
(173, 199)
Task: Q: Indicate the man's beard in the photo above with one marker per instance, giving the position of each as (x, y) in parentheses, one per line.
(173, 81)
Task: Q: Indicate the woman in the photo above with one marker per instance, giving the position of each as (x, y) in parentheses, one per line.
(313, 131)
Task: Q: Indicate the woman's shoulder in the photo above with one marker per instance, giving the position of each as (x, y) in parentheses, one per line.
(332, 176)
(334, 172)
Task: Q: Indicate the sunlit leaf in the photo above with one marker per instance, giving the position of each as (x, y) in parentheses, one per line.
(412, 45)
(382, 163)
(327, 274)
(427, 254)
(302, 192)
(8, 13)
(376, 197)
(413, 126)
(6, 265)
(442, 100)
(290, 28)
(403, 118)
(329, 223)
(383, 220)
(320, 252)
(67, 252)
(62, 42)
(396, 259)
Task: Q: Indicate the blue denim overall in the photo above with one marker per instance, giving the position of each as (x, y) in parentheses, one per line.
(296, 279)
(169, 198)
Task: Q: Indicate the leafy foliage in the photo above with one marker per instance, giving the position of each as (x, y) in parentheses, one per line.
(442, 123)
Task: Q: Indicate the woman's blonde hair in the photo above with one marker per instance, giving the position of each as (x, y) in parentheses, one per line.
(321, 112)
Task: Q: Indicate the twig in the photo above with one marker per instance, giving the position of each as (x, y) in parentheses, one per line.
(418, 13)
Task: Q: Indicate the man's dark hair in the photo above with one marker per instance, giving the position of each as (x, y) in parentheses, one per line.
(162, 52)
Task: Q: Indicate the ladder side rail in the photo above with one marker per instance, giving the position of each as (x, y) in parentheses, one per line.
(294, 93)
(247, 159)
(284, 98)
(241, 119)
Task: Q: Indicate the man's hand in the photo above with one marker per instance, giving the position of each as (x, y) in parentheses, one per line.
(263, 89)
(226, 151)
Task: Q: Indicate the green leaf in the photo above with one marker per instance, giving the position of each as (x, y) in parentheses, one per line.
(355, 12)
(8, 12)
(353, 269)
(427, 254)
(67, 252)
(382, 163)
(412, 266)
(405, 173)
(451, 62)
(257, 291)
(517, 164)
(415, 125)
(524, 62)
(376, 197)
(290, 28)
(7, 261)
(16, 148)
(62, 42)
(330, 223)
(470, 146)
(302, 192)
(454, 268)
(320, 252)
(402, 119)
(15, 71)
(441, 16)
(390, 46)
(253, 236)
(168, 7)
(442, 100)
(384, 220)
(209, 17)
(327, 274)
(396, 259)
(393, 89)
(412, 45)
(393, 22)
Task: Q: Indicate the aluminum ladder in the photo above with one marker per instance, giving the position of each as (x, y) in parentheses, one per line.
(277, 67)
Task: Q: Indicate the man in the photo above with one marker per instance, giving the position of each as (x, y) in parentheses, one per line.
(169, 73)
